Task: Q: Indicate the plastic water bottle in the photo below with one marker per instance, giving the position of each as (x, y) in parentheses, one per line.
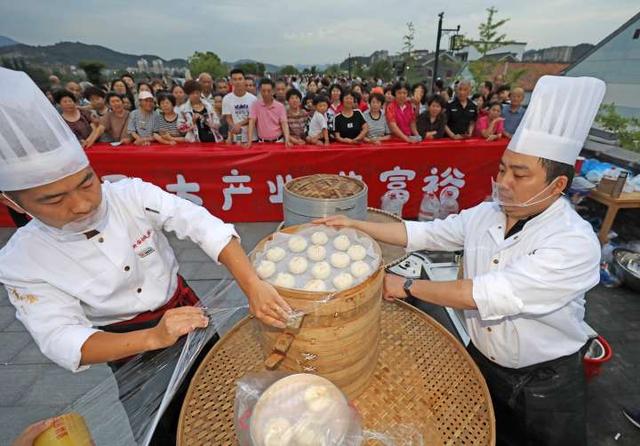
(429, 207)
(448, 203)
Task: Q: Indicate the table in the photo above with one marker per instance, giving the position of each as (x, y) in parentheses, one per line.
(246, 185)
(624, 201)
(424, 380)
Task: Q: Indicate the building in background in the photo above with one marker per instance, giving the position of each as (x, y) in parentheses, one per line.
(616, 60)
(561, 54)
(514, 49)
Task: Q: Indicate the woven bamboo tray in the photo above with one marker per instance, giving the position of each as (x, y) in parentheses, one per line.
(424, 378)
(325, 186)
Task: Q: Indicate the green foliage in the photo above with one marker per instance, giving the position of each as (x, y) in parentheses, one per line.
(489, 33)
(38, 75)
(289, 70)
(333, 70)
(93, 70)
(381, 69)
(208, 62)
(256, 68)
(627, 130)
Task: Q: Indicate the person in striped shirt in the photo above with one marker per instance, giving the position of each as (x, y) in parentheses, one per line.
(166, 125)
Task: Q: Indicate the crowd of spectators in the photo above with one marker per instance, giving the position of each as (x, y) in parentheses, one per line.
(294, 110)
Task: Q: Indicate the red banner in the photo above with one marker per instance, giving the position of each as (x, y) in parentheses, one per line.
(243, 185)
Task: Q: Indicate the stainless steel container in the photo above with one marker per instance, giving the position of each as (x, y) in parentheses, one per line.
(316, 196)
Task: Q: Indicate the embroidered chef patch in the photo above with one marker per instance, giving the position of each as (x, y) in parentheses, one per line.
(26, 298)
(145, 252)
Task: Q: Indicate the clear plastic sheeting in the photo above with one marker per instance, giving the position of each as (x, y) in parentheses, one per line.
(283, 409)
(147, 385)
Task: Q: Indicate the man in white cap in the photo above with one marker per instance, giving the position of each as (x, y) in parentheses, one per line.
(528, 260)
(92, 276)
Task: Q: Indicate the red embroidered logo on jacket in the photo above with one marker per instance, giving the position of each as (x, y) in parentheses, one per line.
(142, 238)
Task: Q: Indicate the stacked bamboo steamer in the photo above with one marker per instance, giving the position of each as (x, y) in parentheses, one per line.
(337, 337)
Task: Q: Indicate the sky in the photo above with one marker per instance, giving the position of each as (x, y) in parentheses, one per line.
(298, 31)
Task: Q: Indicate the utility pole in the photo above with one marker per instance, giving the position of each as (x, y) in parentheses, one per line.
(349, 62)
(437, 56)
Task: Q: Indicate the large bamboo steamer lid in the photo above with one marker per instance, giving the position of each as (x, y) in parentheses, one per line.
(320, 195)
(338, 337)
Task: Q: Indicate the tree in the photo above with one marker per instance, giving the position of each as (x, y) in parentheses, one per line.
(489, 38)
(93, 70)
(489, 33)
(206, 62)
(289, 70)
(408, 45)
(381, 69)
(333, 70)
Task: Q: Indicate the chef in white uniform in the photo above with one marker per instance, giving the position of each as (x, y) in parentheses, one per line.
(92, 276)
(529, 258)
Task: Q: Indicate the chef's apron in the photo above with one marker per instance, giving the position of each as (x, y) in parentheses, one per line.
(539, 405)
(133, 399)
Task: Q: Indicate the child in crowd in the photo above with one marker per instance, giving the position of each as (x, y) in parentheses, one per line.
(318, 129)
(491, 126)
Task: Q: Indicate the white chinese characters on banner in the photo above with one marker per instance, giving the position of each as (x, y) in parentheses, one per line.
(236, 186)
(351, 174)
(444, 188)
(396, 180)
(185, 190)
(276, 188)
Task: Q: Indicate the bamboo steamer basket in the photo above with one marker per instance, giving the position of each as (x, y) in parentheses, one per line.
(338, 336)
(320, 195)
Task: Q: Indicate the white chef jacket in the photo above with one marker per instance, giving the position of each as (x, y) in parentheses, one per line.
(63, 287)
(529, 288)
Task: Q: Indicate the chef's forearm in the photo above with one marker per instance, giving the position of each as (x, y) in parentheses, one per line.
(392, 233)
(455, 293)
(103, 346)
(239, 265)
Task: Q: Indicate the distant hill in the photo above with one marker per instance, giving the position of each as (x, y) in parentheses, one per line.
(7, 41)
(71, 53)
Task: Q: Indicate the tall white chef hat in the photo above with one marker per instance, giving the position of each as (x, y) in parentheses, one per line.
(558, 119)
(36, 146)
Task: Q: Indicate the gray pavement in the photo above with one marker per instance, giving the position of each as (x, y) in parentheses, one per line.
(32, 388)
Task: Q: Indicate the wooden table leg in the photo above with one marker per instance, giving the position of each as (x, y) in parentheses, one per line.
(612, 211)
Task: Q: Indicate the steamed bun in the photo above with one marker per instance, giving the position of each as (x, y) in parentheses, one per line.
(316, 252)
(340, 259)
(315, 285)
(343, 281)
(285, 280)
(360, 269)
(341, 242)
(321, 270)
(297, 243)
(319, 238)
(357, 252)
(298, 265)
(276, 254)
(265, 269)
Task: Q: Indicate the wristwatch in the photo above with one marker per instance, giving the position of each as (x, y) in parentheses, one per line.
(407, 287)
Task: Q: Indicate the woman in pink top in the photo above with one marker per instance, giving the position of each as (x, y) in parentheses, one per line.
(401, 115)
(491, 126)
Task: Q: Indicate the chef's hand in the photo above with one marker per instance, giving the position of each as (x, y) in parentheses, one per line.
(267, 305)
(176, 323)
(335, 221)
(394, 287)
(28, 436)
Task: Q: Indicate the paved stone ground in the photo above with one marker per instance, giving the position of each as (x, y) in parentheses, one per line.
(32, 388)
